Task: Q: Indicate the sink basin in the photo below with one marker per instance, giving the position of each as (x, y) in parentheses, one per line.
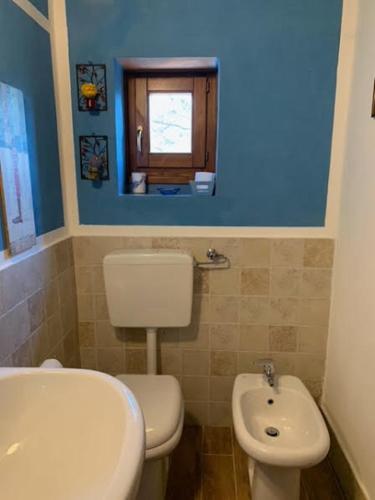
(68, 434)
(278, 425)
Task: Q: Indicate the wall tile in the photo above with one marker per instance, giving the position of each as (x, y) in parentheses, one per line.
(34, 328)
(168, 338)
(254, 338)
(112, 360)
(12, 288)
(224, 309)
(224, 282)
(135, 361)
(51, 298)
(230, 247)
(221, 388)
(66, 285)
(108, 336)
(196, 246)
(283, 311)
(318, 253)
(54, 329)
(84, 279)
(309, 366)
(40, 345)
(255, 252)
(201, 308)
(283, 338)
(195, 388)
(68, 314)
(314, 312)
(316, 283)
(97, 279)
(100, 307)
(248, 361)
(86, 307)
(220, 413)
(201, 281)
(195, 336)
(224, 337)
(312, 339)
(88, 358)
(36, 305)
(33, 269)
(140, 242)
(14, 329)
(229, 332)
(254, 310)
(71, 343)
(171, 362)
(223, 363)
(23, 356)
(255, 282)
(285, 282)
(195, 363)
(133, 337)
(86, 334)
(287, 252)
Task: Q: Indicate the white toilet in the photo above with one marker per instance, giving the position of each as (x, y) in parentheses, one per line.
(152, 289)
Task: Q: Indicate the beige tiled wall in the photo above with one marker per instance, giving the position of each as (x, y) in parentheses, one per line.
(38, 312)
(273, 302)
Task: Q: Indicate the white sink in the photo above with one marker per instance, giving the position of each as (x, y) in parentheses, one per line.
(68, 434)
(281, 429)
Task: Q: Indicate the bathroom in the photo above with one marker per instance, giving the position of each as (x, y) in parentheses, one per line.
(228, 147)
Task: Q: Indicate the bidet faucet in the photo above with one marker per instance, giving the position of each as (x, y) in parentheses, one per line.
(268, 371)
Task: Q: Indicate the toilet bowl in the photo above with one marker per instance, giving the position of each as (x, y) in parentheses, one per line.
(282, 431)
(160, 399)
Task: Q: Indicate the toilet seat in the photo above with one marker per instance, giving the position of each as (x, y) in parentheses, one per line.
(160, 399)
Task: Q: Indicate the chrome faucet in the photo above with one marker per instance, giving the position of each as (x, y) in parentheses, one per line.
(268, 371)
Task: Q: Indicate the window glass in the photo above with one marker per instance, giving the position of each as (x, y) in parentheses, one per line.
(170, 115)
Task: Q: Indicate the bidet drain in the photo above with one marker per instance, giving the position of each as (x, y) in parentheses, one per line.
(272, 431)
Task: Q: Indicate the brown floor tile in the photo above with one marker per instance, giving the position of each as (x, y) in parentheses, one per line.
(217, 440)
(207, 468)
(184, 480)
(241, 471)
(218, 478)
(320, 483)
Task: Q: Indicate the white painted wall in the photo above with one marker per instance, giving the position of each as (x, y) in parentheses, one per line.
(349, 391)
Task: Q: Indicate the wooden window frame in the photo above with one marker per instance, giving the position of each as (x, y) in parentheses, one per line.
(169, 168)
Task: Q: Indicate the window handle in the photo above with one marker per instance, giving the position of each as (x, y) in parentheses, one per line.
(139, 138)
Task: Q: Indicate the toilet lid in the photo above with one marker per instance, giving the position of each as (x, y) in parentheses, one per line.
(161, 401)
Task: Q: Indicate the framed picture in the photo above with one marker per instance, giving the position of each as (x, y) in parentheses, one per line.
(92, 87)
(16, 194)
(94, 157)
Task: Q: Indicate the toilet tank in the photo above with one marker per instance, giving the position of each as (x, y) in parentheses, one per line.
(149, 288)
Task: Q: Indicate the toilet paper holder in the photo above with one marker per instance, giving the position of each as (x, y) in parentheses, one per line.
(215, 261)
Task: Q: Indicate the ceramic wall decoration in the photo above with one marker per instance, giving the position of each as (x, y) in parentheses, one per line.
(94, 157)
(92, 87)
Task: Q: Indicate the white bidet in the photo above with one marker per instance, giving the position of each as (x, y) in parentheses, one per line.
(281, 429)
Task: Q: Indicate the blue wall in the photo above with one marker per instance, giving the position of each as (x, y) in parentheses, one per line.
(41, 5)
(25, 63)
(278, 63)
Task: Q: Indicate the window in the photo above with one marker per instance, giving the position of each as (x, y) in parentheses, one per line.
(171, 124)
